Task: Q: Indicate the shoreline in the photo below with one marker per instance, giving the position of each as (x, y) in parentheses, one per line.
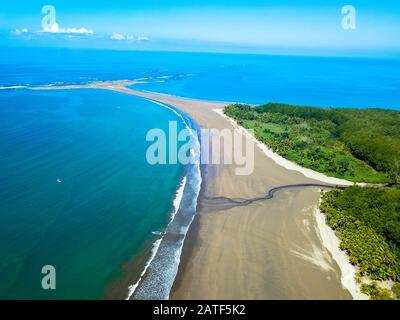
(152, 252)
(332, 243)
(166, 255)
(309, 173)
(179, 194)
(295, 256)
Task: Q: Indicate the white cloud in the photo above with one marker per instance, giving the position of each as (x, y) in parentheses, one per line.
(56, 29)
(119, 36)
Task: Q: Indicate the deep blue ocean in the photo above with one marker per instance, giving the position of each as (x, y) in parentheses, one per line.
(256, 79)
(76, 190)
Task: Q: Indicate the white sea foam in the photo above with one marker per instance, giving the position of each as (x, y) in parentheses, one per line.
(156, 244)
(163, 266)
(178, 253)
(154, 251)
(164, 77)
(192, 133)
(12, 87)
(178, 198)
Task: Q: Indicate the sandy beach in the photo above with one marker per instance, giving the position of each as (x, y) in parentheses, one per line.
(271, 249)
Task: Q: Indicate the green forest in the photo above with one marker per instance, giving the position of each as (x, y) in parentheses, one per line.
(367, 222)
(359, 145)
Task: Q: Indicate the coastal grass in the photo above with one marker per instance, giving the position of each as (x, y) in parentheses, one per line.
(352, 144)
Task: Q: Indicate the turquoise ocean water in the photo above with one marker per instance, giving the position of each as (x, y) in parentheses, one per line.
(109, 199)
(76, 190)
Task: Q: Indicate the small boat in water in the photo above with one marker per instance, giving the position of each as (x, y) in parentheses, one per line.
(158, 233)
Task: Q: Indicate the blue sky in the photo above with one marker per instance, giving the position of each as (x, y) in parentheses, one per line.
(287, 26)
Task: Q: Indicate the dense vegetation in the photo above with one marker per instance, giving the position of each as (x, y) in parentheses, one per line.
(375, 292)
(367, 221)
(357, 145)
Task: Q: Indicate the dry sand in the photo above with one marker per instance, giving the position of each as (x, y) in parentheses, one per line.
(267, 250)
(331, 242)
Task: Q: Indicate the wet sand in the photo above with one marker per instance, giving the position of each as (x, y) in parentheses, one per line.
(271, 249)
